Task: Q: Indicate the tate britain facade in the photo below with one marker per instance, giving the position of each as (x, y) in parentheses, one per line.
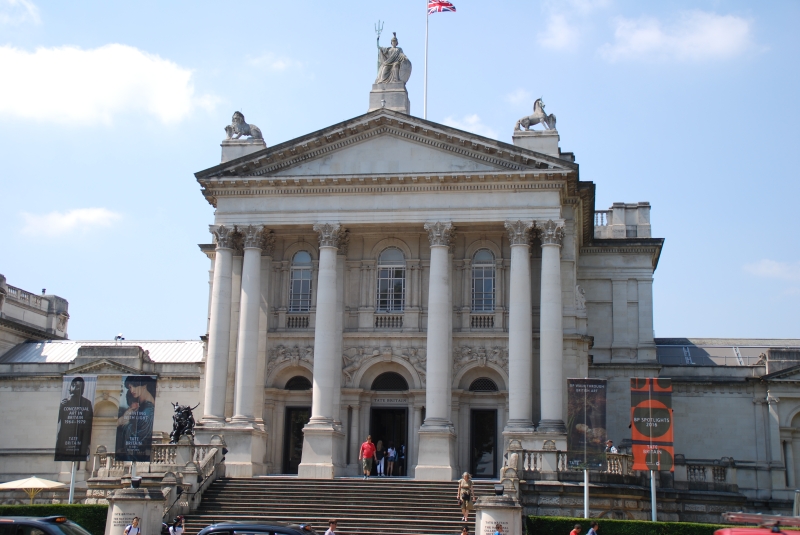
(433, 288)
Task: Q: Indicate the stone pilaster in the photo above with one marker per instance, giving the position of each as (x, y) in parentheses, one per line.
(219, 327)
(437, 455)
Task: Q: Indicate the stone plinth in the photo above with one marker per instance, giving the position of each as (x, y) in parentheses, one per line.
(125, 504)
(543, 141)
(437, 454)
(236, 148)
(392, 96)
(493, 510)
(323, 448)
(247, 449)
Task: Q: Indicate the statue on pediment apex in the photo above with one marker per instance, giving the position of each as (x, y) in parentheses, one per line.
(393, 65)
(239, 128)
(538, 117)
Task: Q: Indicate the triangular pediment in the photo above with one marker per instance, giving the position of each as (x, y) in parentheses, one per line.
(105, 367)
(787, 374)
(386, 142)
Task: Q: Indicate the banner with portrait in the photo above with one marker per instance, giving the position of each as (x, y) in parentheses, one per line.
(137, 407)
(586, 423)
(75, 415)
(652, 433)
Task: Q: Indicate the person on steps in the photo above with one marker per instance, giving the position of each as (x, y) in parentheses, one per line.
(331, 527)
(465, 495)
(366, 455)
(391, 458)
(380, 457)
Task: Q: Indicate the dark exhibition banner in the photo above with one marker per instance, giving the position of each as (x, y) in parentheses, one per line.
(586, 423)
(137, 407)
(651, 424)
(75, 415)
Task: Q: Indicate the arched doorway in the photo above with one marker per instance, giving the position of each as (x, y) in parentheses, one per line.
(389, 421)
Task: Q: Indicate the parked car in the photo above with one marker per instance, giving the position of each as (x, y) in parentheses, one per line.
(39, 525)
(241, 528)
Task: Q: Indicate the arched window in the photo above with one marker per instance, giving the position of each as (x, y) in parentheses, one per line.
(298, 382)
(483, 281)
(390, 381)
(391, 281)
(483, 384)
(300, 283)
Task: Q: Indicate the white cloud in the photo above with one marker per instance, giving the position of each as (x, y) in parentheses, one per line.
(559, 34)
(15, 12)
(61, 223)
(695, 36)
(273, 62)
(471, 123)
(88, 86)
(773, 269)
(519, 96)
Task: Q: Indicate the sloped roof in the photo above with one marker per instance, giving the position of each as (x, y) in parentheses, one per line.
(63, 351)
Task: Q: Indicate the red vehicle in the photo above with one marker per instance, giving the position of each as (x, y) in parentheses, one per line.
(766, 524)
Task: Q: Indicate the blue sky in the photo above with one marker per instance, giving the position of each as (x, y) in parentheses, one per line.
(108, 108)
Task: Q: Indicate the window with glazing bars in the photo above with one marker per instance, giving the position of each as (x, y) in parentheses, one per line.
(300, 283)
(483, 281)
(391, 281)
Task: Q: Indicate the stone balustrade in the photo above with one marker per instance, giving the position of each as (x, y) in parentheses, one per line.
(388, 321)
(26, 297)
(482, 321)
(619, 463)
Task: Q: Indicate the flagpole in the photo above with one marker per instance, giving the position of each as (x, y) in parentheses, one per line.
(425, 90)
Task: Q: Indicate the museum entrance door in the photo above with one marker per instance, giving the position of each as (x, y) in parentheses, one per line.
(296, 419)
(483, 443)
(391, 427)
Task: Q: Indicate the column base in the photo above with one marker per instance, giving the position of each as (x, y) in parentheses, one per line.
(323, 449)
(552, 426)
(247, 448)
(211, 421)
(436, 460)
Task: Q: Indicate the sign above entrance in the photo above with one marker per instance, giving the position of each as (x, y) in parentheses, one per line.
(389, 401)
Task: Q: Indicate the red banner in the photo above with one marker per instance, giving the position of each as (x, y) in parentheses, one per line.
(651, 424)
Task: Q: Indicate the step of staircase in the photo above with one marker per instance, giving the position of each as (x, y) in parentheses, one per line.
(378, 506)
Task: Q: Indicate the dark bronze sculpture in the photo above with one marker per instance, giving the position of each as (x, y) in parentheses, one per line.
(182, 422)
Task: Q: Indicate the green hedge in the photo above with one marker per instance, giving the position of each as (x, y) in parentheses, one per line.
(558, 525)
(91, 517)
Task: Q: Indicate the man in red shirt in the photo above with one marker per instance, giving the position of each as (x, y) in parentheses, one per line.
(576, 530)
(367, 455)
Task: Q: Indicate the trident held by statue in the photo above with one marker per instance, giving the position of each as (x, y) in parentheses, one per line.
(379, 28)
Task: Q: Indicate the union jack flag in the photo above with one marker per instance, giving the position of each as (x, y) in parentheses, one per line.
(437, 6)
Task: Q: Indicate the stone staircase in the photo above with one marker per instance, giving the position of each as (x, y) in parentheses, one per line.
(377, 506)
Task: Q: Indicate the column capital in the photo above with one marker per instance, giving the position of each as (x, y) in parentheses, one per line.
(223, 235)
(267, 242)
(519, 232)
(330, 234)
(251, 235)
(440, 233)
(551, 233)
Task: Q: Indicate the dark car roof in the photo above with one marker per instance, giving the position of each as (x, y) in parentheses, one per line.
(254, 526)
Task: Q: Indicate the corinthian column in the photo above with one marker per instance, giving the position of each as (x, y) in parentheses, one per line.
(322, 442)
(436, 459)
(520, 329)
(551, 337)
(219, 327)
(247, 348)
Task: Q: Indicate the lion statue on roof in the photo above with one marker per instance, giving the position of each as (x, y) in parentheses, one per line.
(239, 128)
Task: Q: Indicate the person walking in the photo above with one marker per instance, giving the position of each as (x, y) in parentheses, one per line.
(133, 528)
(465, 495)
(380, 457)
(576, 530)
(331, 527)
(366, 455)
(464, 531)
(391, 459)
(593, 529)
(178, 525)
(498, 529)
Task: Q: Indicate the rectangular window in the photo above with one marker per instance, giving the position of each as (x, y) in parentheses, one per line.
(300, 290)
(483, 289)
(391, 289)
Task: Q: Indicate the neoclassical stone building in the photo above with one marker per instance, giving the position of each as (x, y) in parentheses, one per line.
(392, 276)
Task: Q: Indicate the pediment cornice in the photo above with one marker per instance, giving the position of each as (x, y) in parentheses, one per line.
(105, 367)
(386, 122)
